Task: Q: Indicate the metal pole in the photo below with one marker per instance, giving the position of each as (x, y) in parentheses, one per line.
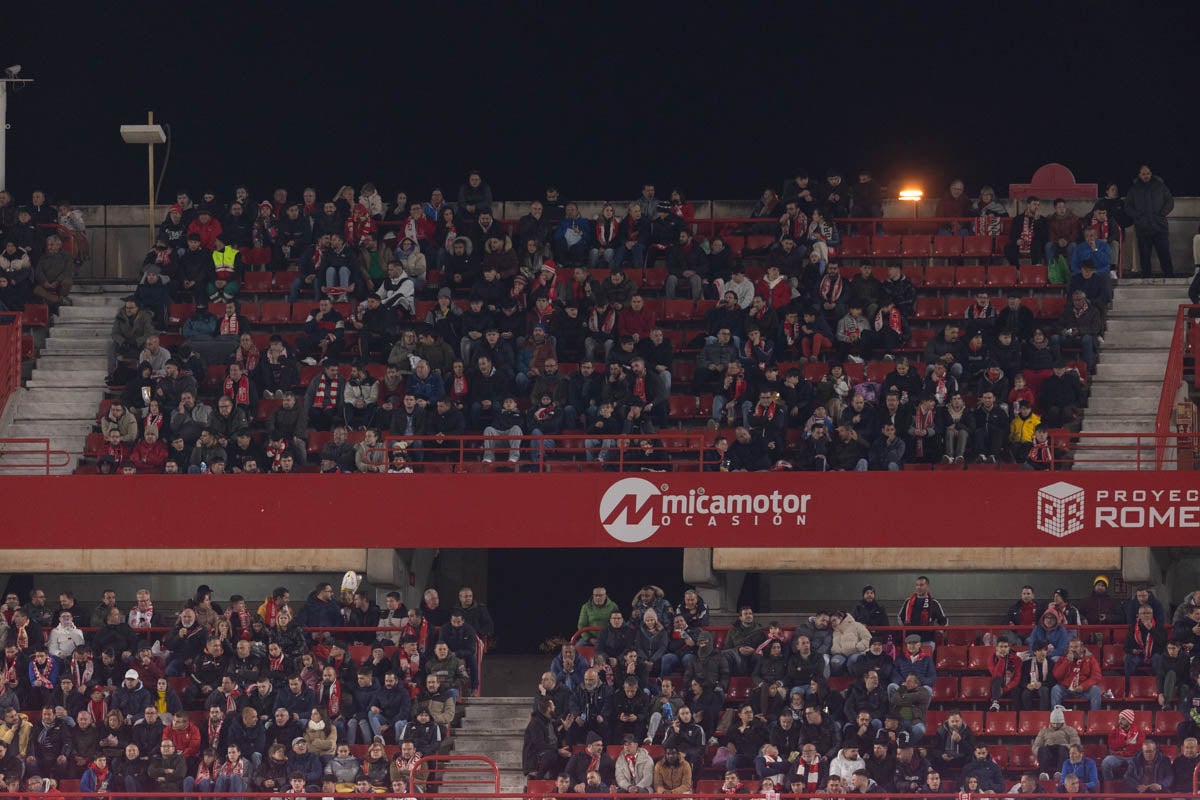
(3, 131)
(150, 150)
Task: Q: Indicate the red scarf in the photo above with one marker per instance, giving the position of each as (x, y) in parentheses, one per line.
(831, 288)
(631, 765)
(1145, 641)
(738, 386)
(247, 358)
(1101, 229)
(206, 771)
(811, 774)
(230, 768)
(544, 412)
(157, 420)
(82, 677)
(631, 229)
(42, 677)
(240, 391)
(639, 387)
(243, 620)
(331, 696)
(214, 733)
(275, 664)
(893, 320)
(1025, 242)
(99, 709)
(924, 421)
(1041, 453)
(139, 618)
(229, 325)
(986, 225)
(23, 631)
(605, 324)
(791, 332)
(606, 232)
(327, 393)
(459, 387)
(768, 412)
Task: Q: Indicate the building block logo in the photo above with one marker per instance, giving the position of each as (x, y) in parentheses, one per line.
(1060, 509)
(627, 510)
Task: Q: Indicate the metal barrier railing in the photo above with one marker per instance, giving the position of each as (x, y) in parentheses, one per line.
(1127, 451)
(10, 355)
(31, 453)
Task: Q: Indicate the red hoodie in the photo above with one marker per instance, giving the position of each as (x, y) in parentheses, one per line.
(1086, 669)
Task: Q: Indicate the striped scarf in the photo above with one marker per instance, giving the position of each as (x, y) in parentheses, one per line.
(327, 393)
(232, 768)
(139, 618)
(229, 325)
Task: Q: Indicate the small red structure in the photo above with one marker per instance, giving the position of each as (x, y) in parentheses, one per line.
(1051, 181)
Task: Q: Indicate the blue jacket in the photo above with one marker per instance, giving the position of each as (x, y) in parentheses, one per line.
(572, 680)
(394, 704)
(1101, 259)
(922, 667)
(431, 389)
(299, 706)
(585, 226)
(1056, 636)
(317, 614)
(87, 782)
(364, 698)
(309, 763)
(1089, 778)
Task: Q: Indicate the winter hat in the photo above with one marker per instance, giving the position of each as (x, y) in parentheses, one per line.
(1057, 716)
(594, 737)
(1126, 716)
(1061, 592)
(176, 209)
(445, 292)
(868, 588)
(267, 205)
(882, 736)
(133, 674)
(912, 637)
(1101, 579)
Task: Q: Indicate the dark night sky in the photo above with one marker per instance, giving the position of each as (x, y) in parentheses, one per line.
(599, 99)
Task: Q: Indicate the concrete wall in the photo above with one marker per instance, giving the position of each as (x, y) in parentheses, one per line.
(48, 561)
(120, 234)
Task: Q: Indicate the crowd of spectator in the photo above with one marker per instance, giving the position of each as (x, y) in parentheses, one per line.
(235, 698)
(514, 303)
(654, 676)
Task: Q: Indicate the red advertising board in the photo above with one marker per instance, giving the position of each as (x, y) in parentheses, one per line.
(929, 509)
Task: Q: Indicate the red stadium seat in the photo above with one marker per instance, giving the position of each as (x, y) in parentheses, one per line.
(975, 687)
(257, 281)
(704, 411)
(877, 371)
(92, 445)
(939, 277)
(1112, 656)
(968, 277)
(974, 721)
(275, 313)
(1033, 277)
(255, 257)
(980, 658)
(1052, 307)
(947, 246)
(654, 278)
(1075, 719)
(1029, 723)
(887, 246)
(739, 690)
(1021, 757)
(682, 406)
(1166, 722)
(1002, 723)
(977, 246)
(249, 310)
(300, 312)
(1114, 684)
(317, 441)
(177, 313)
(679, 310)
(1001, 276)
(216, 309)
(951, 659)
(913, 246)
(934, 718)
(815, 371)
(929, 308)
(999, 754)
(1143, 688)
(920, 337)
(1101, 723)
(945, 689)
(956, 307)
(854, 371)
(28, 346)
(854, 247)
(682, 371)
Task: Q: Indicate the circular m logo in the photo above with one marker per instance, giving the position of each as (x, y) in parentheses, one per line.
(628, 510)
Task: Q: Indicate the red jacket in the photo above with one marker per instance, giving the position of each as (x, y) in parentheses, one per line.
(1010, 666)
(208, 233)
(777, 296)
(1087, 668)
(1125, 743)
(630, 322)
(147, 457)
(187, 741)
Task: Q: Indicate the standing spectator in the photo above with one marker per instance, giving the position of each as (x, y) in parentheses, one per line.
(921, 608)
(1149, 202)
(1027, 235)
(869, 612)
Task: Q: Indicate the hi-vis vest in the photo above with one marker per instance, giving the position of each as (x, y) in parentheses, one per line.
(224, 260)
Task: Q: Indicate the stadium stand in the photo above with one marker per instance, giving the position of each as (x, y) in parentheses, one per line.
(916, 292)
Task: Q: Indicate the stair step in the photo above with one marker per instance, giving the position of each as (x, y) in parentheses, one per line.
(1125, 358)
(95, 300)
(87, 312)
(76, 347)
(1164, 306)
(57, 361)
(1120, 325)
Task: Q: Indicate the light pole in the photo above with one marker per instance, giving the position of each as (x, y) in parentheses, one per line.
(912, 196)
(149, 135)
(10, 82)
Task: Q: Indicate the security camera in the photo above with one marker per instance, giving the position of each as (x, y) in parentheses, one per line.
(13, 71)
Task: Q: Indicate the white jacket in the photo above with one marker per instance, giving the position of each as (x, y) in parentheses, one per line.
(643, 768)
(62, 641)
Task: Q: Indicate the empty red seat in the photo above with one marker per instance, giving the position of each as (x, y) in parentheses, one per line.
(682, 406)
(980, 657)
(975, 687)
(683, 371)
(679, 310)
(1112, 656)
(951, 659)
(654, 278)
(273, 312)
(1002, 723)
(1166, 722)
(974, 721)
(929, 308)
(300, 312)
(920, 337)
(1021, 756)
(945, 689)
(92, 445)
(877, 371)
(1114, 684)
(257, 281)
(854, 247)
(178, 312)
(968, 277)
(1143, 688)
(947, 246)
(1033, 277)
(956, 307)
(1029, 723)
(815, 371)
(913, 246)
(887, 246)
(1101, 723)
(704, 407)
(317, 441)
(939, 277)
(1001, 276)
(977, 246)
(1052, 307)
(27, 346)
(999, 754)
(934, 718)
(249, 310)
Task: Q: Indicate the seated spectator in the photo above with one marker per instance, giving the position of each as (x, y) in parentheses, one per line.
(54, 276)
(1076, 674)
(1145, 643)
(324, 398)
(991, 426)
(1150, 772)
(955, 743)
(1081, 324)
(324, 332)
(1021, 431)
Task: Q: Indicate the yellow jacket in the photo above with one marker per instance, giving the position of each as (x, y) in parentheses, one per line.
(1021, 430)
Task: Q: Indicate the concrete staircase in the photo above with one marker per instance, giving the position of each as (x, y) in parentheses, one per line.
(493, 727)
(62, 397)
(1126, 388)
